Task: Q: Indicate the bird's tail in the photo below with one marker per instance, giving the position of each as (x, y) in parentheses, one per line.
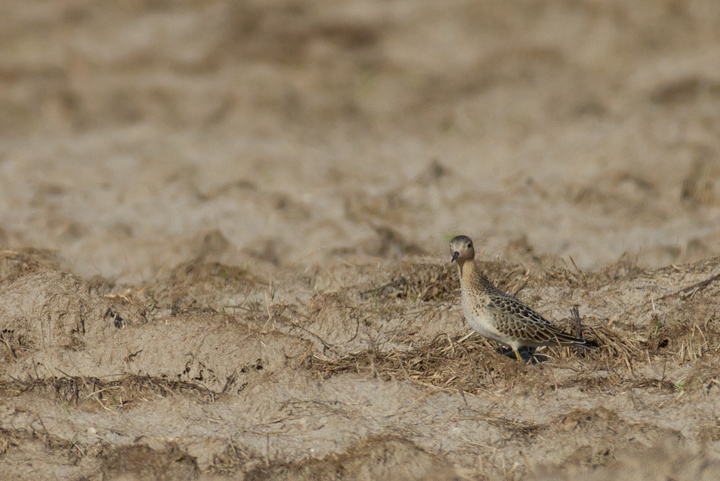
(564, 339)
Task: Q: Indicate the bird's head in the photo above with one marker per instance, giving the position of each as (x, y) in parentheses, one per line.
(462, 249)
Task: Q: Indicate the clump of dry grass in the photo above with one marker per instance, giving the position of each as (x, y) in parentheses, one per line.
(615, 344)
(138, 461)
(8, 440)
(93, 393)
(235, 458)
(467, 363)
(20, 439)
(379, 457)
(622, 269)
(420, 281)
(12, 346)
(472, 364)
(196, 284)
(17, 263)
(685, 328)
(435, 282)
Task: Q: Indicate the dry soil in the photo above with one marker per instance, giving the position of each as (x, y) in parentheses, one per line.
(223, 233)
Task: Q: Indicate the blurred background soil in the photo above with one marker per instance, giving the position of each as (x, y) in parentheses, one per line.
(223, 230)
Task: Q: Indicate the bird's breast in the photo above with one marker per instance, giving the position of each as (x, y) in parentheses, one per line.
(479, 316)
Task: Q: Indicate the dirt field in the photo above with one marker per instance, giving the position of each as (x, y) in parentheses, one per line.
(224, 225)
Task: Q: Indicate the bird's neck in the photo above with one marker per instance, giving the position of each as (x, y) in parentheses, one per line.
(468, 271)
(471, 275)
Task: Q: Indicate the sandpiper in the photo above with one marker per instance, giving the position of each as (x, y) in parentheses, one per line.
(500, 316)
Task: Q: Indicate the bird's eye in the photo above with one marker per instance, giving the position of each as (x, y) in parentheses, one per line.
(470, 245)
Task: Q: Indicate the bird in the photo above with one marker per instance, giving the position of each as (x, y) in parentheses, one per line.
(499, 316)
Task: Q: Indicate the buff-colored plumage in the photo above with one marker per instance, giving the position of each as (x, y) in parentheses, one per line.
(500, 316)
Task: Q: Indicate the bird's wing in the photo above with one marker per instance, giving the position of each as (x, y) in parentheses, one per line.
(521, 322)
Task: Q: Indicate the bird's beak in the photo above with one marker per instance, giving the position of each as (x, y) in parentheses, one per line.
(455, 256)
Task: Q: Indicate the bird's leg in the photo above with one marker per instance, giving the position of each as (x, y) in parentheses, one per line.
(517, 354)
